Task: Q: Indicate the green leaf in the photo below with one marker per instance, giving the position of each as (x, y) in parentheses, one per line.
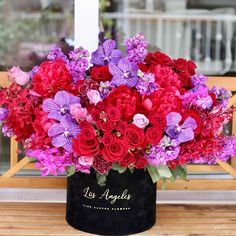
(152, 170)
(117, 167)
(70, 170)
(131, 170)
(101, 178)
(180, 171)
(32, 159)
(164, 171)
(163, 187)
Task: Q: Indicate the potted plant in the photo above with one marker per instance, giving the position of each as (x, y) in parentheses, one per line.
(116, 127)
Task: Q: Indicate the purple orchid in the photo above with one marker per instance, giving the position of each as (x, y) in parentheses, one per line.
(62, 133)
(60, 105)
(124, 73)
(181, 133)
(106, 53)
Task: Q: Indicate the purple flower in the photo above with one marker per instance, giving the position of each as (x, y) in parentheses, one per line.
(222, 95)
(167, 150)
(204, 102)
(146, 83)
(124, 73)
(3, 113)
(33, 71)
(136, 48)
(7, 131)
(229, 148)
(50, 160)
(60, 105)
(56, 53)
(104, 89)
(181, 133)
(199, 80)
(79, 63)
(62, 133)
(106, 53)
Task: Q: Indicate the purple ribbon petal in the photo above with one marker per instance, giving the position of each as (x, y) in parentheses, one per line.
(49, 105)
(59, 140)
(62, 98)
(173, 118)
(55, 130)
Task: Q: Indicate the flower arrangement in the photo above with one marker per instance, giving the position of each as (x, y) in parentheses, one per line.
(143, 110)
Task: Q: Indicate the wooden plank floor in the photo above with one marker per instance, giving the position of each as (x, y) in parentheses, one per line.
(49, 219)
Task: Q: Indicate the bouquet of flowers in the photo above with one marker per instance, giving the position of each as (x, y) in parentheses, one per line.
(143, 110)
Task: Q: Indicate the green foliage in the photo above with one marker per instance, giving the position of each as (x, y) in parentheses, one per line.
(101, 179)
(117, 167)
(70, 170)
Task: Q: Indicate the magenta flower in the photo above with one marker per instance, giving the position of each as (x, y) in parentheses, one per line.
(62, 133)
(181, 133)
(124, 73)
(60, 105)
(106, 53)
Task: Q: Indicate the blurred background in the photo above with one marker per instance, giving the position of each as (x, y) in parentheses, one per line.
(202, 30)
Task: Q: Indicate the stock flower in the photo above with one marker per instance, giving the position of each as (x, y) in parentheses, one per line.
(7, 131)
(62, 133)
(3, 113)
(124, 73)
(56, 53)
(59, 105)
(106, 53)
(136, 48)
(165, 151)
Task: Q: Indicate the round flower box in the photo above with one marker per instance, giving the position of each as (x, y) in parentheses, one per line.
(125, 205)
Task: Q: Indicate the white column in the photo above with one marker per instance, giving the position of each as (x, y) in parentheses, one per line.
(86, 24)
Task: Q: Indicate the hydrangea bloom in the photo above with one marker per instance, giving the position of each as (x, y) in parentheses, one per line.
(59, 105)
(62, 133)
(165, 151)
(136, 48)
(106, 53)
(124, 73)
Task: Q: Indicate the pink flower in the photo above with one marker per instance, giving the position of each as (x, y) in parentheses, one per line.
(140, 121)
(86, 161)
(94, 96)
(15, 74)
(78, 112)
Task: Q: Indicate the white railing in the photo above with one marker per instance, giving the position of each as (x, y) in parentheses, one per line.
(208, 39)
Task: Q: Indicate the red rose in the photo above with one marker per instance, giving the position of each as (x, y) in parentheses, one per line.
(135, 136)
(114, 152)
(52, 76)
(157, 120)
(191, 67)
(127, 160)
(158, 58)
(141, 162)
(143, 67)
(101, 73)
(196, 116)
(180, 64)
(105, 126)
(122, 127)
(186, 80)
(108, 138)
(86, 144)
(153, 135)
(172, 164)
(113, 113)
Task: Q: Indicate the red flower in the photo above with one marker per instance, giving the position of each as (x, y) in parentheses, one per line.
(106, 126)
(101, 165)
(52, 77)
(115, 151)
(172, 164)
(108, 138)
(101, 73)
(162, 101)
(158, 120)
(158, 58)
(153, 135)
(186, 80)
(113, 113)
(135, 136)
(86, 144)
(180, 65)
(191, 67)
(140, 162)
(195, 115)
(122, 127)
(127, 160)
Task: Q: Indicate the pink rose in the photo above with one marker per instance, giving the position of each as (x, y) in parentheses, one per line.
(94, 96)
(86, 161)
(140, 121)
(78, 112)
(15, 74)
